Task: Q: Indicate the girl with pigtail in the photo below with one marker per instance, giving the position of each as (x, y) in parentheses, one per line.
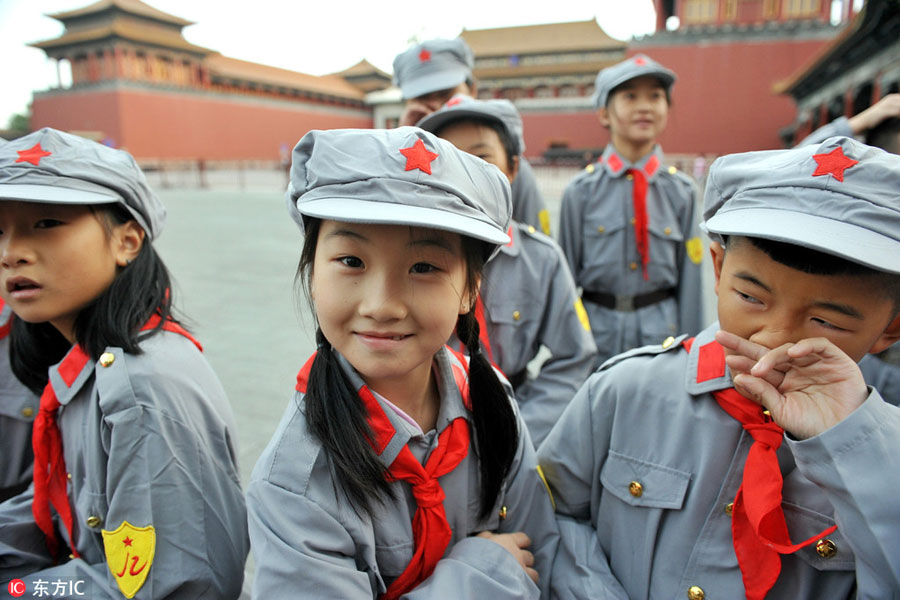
(401, 468)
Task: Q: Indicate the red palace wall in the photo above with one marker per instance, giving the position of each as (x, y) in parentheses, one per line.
(577, 129)
(723, 100)
(158, 124)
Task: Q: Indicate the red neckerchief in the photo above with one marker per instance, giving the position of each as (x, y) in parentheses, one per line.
(639, 201)
(431, 531)
(50, 479)
(758, 527)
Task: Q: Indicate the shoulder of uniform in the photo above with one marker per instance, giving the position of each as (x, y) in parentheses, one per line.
(669, 344)
(531, 232)
(679, 176)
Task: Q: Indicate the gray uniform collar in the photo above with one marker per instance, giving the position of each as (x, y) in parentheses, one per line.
(515, 237)
(67, 377)
(706, 383)
(452, 406)
(616, 166)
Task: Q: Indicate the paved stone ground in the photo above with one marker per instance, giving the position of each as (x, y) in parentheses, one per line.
(233, 252)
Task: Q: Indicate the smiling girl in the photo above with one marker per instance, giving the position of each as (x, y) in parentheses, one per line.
(401, 468)
(136, 491)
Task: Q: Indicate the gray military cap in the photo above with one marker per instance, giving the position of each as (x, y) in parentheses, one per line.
(57, 167)
(432, 66)
(839, 197)
(462, 106)
(402, 176)
(638, 65)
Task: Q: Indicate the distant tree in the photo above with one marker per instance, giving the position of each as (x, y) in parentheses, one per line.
(19, 124)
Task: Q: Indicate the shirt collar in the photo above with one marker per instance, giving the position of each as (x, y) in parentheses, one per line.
(69, 375)
(512, 248)
(616, 166)
(706, 370)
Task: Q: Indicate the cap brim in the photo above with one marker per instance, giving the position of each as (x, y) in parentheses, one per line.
(365, 211)
(438, 119)
(426, 84)
(54, 195)
(829, 236)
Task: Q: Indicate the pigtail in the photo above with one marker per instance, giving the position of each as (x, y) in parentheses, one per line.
(337, 417)
(495, 424)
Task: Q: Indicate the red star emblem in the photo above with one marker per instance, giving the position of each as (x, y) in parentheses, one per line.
(834, 163)
(640, 61)
(33, 155)
(424, 55)
(418, 157)
(454, 101)
(127, 541)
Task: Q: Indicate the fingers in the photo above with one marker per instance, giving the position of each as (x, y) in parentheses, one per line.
(414, 112)
(759, 390)
(740, 346)
(521, 539)
(532, 574)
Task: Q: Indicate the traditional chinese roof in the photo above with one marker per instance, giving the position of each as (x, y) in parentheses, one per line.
(241, 70)
(537, 39)
(874, 28)
(363, 68)
(135, 7)
(123, 30)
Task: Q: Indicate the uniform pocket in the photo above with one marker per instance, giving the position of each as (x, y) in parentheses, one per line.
(513, 333)
(90, 515)
(644, 484)
(604, 240)
(393, 560)
(666, 238)
(830, 552)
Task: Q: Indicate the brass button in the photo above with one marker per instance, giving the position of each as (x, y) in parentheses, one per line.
(635, 489)
(93, 521)
(71, 557)
(531, 229)
(516, 315)
(589, 168)
(668, 342)
(695, 592)
(672, 171)
(826, 548)
(600, 228)
(69, 476)
(729, 508)
(502, 512)
(107, 358)
(667, 231)
(629, 177)
(632, 220)
(28, 412)
(633, 266)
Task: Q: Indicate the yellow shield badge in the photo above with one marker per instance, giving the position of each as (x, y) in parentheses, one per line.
(129, 555)
(695, 250)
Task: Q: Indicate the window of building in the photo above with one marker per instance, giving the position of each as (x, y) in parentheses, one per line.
(700, 11)
(568, 91)
(543, 91)
(801, 8)
(730, 10)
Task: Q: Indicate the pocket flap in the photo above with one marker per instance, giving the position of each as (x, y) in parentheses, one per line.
(642, 483)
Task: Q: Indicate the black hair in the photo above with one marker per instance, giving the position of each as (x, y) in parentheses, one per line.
(885, 135)
(510, 143)
(337, 417)
(114, 318)
(665, 87)
(814, 262)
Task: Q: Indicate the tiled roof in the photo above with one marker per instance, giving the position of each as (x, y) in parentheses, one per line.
(362, 68)
(159, 36)
(232, 68)
(135, 7)
(537, 39)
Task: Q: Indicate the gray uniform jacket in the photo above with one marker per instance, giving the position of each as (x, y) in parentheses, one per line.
(644, 418)
(18, 407)
(528, 205)
(308, 542)
(597, 237)
(148, 440)
(530, 300)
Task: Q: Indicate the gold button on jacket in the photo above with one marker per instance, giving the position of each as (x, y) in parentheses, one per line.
(635, 489)
(826, 548)
(695, 592)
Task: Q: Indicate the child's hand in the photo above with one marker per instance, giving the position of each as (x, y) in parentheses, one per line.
(808, 387)
(414, 112)
(887, 107)
(516, 544)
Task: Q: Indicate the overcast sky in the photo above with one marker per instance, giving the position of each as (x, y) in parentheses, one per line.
(312, 36)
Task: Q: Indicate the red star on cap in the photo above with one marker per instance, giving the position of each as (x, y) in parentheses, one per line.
(454, 101)
(33, 155)
(834, 163)
(418, 157)
(639, 61)
(424, 55)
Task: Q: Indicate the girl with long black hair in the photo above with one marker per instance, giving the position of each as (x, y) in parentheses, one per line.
(401, 468)
(136, 490)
